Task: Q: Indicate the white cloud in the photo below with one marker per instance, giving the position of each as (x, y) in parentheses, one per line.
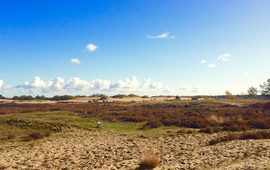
(224, 57)
(128, 84)
(197, 89)
(167, 89)
(172, 37)
(75, 84)
(55, 85)
(91, 47)
(75, 60)
(184, 87)
(7, 88)
(34, 85)
(246, 74)
(203, 61)
(1, 83)
(212, 65)
(145, 83)
(164, 35)
(101, 84)
(156, 85)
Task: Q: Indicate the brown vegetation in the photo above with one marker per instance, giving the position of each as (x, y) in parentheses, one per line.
(11, 136)
(242, 136)
(210, 117)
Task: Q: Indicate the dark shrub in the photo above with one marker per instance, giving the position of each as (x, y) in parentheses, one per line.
(47, 134)
(36, 135)
(213, 129)
(11, 136)
(154, 123)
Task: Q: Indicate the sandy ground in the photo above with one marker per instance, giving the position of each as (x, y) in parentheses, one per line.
(82, 149)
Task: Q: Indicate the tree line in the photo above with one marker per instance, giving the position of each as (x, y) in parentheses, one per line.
(251, 92)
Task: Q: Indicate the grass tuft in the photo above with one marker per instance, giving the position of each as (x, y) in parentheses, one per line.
(149, 162)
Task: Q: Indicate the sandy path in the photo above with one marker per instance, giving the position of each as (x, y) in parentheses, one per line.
(102, 150)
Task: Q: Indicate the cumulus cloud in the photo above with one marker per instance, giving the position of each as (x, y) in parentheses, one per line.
(197, 89)
(101, 84)
(91, 47)
(164, 35)
(246, 74)
(212, 65)
(184, 87)
(224, 57)
(7, 88)
(156, 85)
(34, 85)
(145, 83)
(167, 89)
(75, 60)
(203, 61)
(128, 84)
(75, 84)
(1, 83)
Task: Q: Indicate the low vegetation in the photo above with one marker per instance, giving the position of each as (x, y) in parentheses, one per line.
(242, 136)
(209, 116)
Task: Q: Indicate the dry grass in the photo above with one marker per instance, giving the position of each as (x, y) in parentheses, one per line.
(219, 119)
(149, 160)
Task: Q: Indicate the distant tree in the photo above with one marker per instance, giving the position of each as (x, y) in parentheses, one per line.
(37, 97)
(42, 97)
(145, 96)
(119, 96)
(2, 97)
(133, 95)
(66, 97)
(265, 88)
(56, 97)
(29, 97)
(103, 97)
(16, 98)
(177, 97)
(229, 95)
(23, 97)
(206, 97)
(194, 97)
(252, 91)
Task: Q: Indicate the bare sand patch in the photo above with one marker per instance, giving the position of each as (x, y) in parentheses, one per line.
(82, 149)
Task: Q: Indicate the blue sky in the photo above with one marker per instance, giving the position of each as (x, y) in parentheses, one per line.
(143, 47)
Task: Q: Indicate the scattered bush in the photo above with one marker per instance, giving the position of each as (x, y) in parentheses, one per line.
(11, 136)
(36, 135)
(47, 134)
(213, 129)
(154, 123)
(149, 162)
